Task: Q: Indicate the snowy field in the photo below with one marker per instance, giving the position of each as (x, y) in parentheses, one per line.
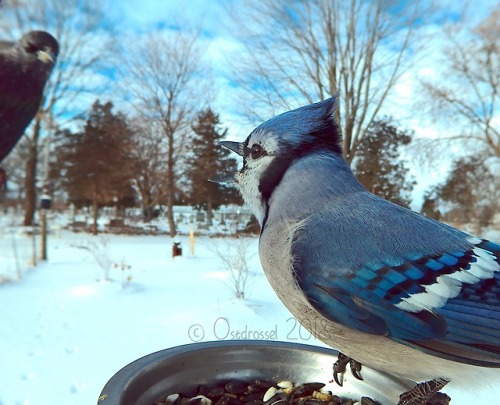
(64, 332)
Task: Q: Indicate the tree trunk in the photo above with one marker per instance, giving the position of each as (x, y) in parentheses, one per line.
(30, 179)
(348, 141)
(170, 185)
(209, 211)
(30, 188)
(148, 205)
(170, 199)
(147, 212)
(95, 209)
(170, 215)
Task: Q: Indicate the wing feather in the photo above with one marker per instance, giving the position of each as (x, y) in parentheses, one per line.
(433, 287)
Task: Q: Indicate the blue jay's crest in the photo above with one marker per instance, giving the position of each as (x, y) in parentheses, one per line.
(303, 129)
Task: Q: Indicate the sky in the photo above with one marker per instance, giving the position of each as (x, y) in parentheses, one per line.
(218, 37)
(220, 44)
(218, 34)
(211, 18)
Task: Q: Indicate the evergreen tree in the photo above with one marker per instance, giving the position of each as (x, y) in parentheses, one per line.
(94, 165)
(208, 159)
(430, 205)
(378, 165)
(471, 191)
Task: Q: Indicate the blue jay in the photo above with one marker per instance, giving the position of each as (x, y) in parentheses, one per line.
(386, 286)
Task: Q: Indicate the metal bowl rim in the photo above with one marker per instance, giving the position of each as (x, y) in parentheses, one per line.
(134, 368)
(116, 387)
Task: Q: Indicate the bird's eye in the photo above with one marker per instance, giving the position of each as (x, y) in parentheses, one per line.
(256, 151)
(30, 48)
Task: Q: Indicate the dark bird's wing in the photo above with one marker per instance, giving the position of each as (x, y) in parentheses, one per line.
(6, 44)
(382, 269)
(25, 67)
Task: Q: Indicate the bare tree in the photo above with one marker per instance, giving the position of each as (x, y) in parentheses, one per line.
(234, 255)
(100, 251)
(149, 167)
(83, 36)
(306, 51)
(468, 89)
(163, 80)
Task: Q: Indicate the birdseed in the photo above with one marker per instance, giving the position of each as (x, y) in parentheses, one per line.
(260, 392)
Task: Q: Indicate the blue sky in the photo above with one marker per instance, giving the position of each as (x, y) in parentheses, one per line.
(137, 18)
(140, 18)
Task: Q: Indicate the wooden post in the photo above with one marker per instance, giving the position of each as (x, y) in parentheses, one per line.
(33, 247)
(45, 205)
(43, 224)
(191, 241)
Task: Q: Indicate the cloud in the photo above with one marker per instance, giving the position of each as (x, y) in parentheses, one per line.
(221, 46)
(150, 15)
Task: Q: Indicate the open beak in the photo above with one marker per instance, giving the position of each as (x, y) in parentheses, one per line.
(237, 147)
(46, 56)
(223, 178)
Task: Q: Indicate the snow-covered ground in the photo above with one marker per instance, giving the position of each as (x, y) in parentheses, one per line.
(63, 333)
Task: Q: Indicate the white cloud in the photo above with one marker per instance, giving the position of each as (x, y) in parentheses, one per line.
(221, 45)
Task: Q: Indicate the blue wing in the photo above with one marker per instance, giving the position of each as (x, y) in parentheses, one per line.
(382, 269)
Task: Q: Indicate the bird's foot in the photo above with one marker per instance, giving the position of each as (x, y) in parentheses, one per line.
(340, 366)
(426, 393)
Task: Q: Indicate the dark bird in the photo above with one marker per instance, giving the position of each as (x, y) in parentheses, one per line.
(388, 287)
(25, 67)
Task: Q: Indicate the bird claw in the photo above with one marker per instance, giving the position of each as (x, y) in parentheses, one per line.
(340, 366)
(336, 378)
(355, 369)
(426, 393)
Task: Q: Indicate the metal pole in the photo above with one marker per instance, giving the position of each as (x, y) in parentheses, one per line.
(45, 196)
(43, 220)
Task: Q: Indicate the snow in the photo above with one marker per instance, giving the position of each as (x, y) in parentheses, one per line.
(64, 331)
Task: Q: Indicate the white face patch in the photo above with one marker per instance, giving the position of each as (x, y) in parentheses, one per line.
(449, 285)
(250, 176)
(248, 183)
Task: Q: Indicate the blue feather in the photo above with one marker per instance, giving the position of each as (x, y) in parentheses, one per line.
(430, 298)
(361, 261)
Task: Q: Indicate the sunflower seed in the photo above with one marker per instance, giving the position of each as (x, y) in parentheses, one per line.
(271, 392)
